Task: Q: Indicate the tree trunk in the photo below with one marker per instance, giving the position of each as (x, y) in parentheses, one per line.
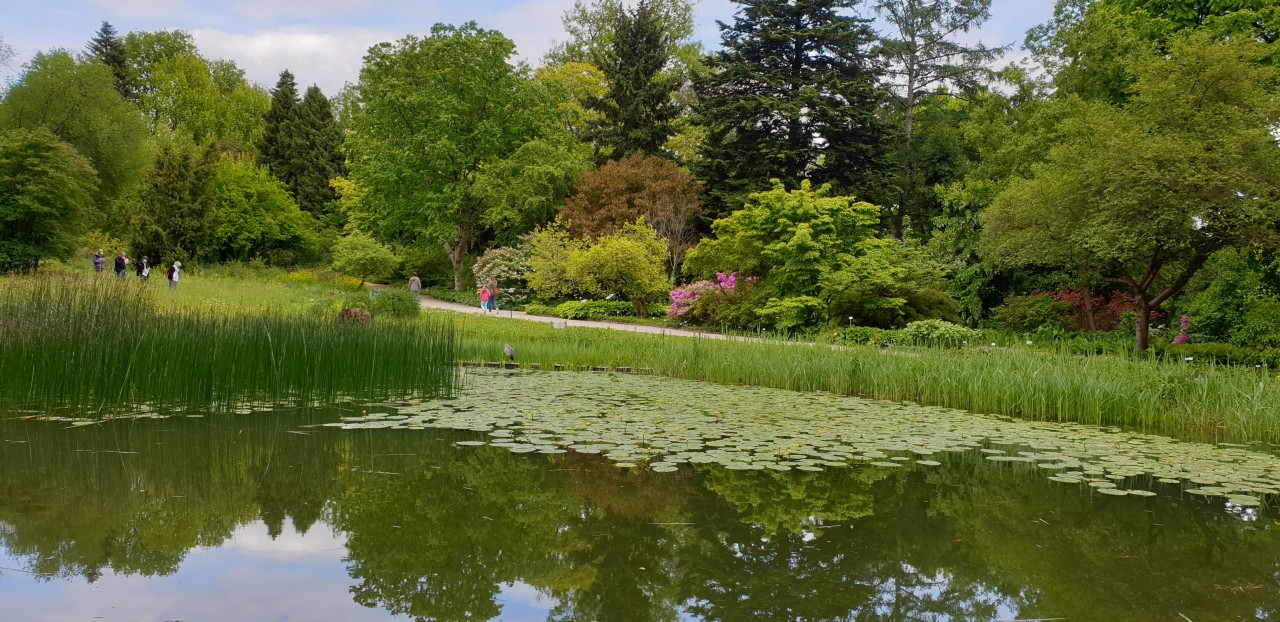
(1090, 323)
(454, 251)
(1142, 325)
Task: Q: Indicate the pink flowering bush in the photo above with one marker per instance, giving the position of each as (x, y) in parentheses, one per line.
(703, 302)
(1184, 331)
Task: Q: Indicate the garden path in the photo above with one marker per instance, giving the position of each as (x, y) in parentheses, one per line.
(428, 302)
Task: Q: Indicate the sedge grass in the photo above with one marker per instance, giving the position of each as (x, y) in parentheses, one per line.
(96, 347)
(1188, 401)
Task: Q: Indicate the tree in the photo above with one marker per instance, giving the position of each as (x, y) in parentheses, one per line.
(361, 256)
(180, 92)
(273, 149)
(312, 152)
(791, 96)
(108, 47)
(923, 56)
(629, 264)
(255, 218)
(77, 101)
(174, 216)
(45, 188)
(638, 108)
(637, 186)
(1141, 194)
(439, 111)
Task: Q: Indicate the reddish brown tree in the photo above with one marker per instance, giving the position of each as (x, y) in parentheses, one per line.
(638, 185)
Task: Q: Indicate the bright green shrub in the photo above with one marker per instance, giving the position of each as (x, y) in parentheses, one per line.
(793, 312)
(937, 333)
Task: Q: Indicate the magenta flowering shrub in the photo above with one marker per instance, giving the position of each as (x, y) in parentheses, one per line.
(699, 302)
(1184, 330)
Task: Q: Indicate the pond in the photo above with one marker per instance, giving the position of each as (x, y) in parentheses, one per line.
(515, 502)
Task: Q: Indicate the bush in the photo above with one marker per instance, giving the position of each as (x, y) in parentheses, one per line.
(600, 310)
(397, 303)
(937, 333)
(862, 335)
(361, 256)
(1028, 313)
(794, 312)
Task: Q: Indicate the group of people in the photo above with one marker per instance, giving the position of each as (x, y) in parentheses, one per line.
(142, 268)
(488, 292)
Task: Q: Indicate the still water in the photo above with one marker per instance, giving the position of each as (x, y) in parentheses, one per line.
(276, 517)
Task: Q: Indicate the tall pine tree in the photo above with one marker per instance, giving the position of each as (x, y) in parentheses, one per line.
(312, 144)
(174, 215)
(791, 95)
(273, 150)
(638, 108)
(107, 46)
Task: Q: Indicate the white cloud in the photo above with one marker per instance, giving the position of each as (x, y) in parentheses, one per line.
(328, 59)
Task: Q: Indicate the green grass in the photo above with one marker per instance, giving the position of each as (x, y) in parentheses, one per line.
(83, 346)
(1189, 401)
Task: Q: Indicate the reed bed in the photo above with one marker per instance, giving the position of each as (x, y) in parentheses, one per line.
(98, 347)
(1189, 401)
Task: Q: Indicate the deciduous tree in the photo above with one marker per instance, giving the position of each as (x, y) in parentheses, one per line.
(45, 188)
(1143, 193)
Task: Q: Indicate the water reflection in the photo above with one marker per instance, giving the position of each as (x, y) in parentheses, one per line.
(189, 518)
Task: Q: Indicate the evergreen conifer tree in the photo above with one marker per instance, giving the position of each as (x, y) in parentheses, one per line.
(107, 46)
(272, 150)
(174, 215)
(791, 95)
(312, 142)
(638, 108)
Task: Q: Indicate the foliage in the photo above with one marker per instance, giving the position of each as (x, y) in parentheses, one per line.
(576, 86)
(254, 217)
(636, 186)
(1143, 193)
(436, 112)
(309, 153)
(550, 251)
(771, 112)
(1027, 313)
(787, 314)
(703, 302)
(601, 310)
(638, 108)
(396, 303)
(886, 283)
(173, 218)
(629, 264)
(76, 99)
(108, 47)
(46, 187)
(525, 190)
(937, 333)
(1215, 354)
(273, 149)
(506, 264)
(923, 56)
(361, 256)
(182, 93)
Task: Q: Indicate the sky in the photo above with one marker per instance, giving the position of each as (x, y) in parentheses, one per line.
(323, 41)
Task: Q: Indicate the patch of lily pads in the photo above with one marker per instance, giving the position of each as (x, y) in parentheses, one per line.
(663, 423)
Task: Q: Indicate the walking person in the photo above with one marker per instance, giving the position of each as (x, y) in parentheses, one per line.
(174, 274)
(493, 293)
(99, 261)
(122, 264)
(485, 294)
(143, 270)
(415, 286)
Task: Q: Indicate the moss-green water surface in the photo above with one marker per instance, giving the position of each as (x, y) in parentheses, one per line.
(281, 516)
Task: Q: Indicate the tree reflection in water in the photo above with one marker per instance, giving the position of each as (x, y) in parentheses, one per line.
(436, 532)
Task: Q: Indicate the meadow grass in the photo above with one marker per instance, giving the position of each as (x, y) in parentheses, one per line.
(80, 346)
(1189, 401)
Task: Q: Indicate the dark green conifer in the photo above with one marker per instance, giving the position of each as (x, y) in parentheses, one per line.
(107, 46)
(638, 108)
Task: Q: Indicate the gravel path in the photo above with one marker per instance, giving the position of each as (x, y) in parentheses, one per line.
(428, 302)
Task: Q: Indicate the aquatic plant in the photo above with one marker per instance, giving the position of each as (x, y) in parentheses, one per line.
(99, 347)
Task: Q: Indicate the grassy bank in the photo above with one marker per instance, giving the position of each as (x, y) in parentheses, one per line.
(1198, 402)
(89, 346)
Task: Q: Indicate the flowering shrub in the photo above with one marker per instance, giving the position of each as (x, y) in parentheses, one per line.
(1184, 330)
(700, 302)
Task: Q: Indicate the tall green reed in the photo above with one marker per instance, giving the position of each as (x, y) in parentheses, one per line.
(96, 347)
(1189, 401)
